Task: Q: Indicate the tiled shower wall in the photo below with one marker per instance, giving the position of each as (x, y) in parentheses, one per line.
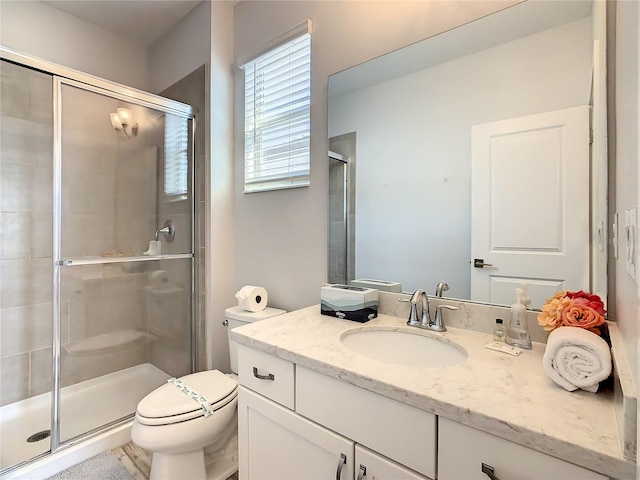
(192, 91)
(26, 230)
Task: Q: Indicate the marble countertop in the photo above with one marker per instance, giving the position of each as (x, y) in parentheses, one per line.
(507, 396)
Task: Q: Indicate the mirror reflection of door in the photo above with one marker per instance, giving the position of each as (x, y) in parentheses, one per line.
(530, 205)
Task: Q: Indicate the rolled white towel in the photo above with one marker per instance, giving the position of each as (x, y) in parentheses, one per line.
(577, 358)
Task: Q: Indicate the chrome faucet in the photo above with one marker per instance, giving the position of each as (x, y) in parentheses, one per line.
(423, 319)
(419, 297)
(441, 287)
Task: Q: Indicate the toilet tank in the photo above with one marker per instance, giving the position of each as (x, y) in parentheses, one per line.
(236, 317)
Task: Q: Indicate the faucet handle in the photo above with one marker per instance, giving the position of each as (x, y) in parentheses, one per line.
(414, 317)
(448, 307)
(438, 323)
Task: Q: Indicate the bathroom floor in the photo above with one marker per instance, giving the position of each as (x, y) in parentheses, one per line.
(138, 461)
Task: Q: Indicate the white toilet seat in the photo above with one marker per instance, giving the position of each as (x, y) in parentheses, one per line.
(168, 404)
(187, 416)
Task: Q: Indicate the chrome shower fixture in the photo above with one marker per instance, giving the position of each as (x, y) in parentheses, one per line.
(169, 231)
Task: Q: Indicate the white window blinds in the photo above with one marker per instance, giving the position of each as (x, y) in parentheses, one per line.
(277, 117)
(176, 156)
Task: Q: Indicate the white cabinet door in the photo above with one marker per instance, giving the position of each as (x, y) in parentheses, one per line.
(276, 444)
(399, 431)
(462, 450)
(371, 466)
(530, 205)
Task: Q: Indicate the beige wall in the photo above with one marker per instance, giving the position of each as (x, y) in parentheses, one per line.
(39, 30)
(281, 236)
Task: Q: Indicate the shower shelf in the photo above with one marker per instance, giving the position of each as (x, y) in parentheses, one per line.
(69, 262)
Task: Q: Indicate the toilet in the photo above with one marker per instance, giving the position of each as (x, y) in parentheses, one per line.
(190, 424)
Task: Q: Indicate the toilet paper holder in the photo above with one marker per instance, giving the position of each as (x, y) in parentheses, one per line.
(169, 231)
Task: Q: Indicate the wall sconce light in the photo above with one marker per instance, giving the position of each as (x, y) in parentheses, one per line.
(123, 120)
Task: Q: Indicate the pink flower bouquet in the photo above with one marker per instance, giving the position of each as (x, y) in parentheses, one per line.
(573, 309)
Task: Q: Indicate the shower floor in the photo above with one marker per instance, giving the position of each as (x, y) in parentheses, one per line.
(83, 407)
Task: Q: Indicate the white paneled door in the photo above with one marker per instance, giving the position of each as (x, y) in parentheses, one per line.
(530, 206)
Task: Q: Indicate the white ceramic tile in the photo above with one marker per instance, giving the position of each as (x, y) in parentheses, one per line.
(27, 328)
(25, 282)
(15, 236)
(25, 189)
(41, 368)
(41, 240)
(14, 377)
(87, 235)
(170, 356)
(168, 313)
(27, 143)
(20, 83)
(88, 193)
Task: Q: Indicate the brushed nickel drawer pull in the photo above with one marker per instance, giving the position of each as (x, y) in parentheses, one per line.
(362, 473)
(488, 471)
(341, 463)
(262, 377)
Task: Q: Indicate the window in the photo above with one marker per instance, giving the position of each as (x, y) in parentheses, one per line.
(277, 117)
(176, 156)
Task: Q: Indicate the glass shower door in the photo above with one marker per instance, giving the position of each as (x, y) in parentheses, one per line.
(25, 262)
(124, 255)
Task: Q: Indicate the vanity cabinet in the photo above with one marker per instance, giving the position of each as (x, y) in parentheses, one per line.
(276, 444)
(330, 432)
(463, 450)
(296, 423)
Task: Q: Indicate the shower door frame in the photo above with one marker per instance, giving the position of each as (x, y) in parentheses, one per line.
(66, 76)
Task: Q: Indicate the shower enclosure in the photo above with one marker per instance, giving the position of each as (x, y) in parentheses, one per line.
(341, 226)
(96, 254)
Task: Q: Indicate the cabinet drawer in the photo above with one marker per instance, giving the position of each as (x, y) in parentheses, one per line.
(393, 429)
(267, 375)
(462, 450)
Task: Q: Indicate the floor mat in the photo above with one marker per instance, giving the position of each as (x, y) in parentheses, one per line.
(104, 466)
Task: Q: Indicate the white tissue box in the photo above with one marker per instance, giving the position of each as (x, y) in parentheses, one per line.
(350, 302)
(381, 285)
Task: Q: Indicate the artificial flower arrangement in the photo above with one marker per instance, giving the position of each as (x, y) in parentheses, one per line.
(574, 309)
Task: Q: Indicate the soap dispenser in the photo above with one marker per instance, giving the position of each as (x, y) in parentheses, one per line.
(517, 331)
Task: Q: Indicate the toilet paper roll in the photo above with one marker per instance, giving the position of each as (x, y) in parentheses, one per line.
(159, 279)
(252, 298)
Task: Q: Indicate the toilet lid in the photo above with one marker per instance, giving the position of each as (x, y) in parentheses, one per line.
(168, 400)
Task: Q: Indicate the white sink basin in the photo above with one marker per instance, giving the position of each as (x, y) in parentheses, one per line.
(403, 347)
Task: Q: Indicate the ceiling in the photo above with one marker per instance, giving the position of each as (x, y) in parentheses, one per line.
(143, 21)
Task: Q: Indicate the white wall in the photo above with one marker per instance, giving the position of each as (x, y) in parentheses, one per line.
(414, 149)
(39, 30)
(281, 236)
(626, 168)
(183, 49)
(220, 234)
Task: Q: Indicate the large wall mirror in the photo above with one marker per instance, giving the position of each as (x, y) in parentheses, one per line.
(467, 158)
